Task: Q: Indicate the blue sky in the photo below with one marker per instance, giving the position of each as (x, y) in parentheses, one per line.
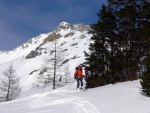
(20, 20)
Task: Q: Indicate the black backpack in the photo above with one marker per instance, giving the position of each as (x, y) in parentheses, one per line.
(76, 68)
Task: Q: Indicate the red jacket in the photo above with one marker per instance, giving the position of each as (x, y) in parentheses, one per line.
(78, 73)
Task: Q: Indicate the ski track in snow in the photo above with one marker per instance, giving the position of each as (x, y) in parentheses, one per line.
(80, 103)
(49, 102)
(77, 104)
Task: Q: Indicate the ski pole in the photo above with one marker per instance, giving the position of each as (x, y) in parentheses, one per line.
(71, 85)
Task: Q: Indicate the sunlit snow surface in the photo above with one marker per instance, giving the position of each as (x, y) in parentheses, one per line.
(118, 98)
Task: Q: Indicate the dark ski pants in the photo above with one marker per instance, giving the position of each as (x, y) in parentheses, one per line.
(79, 80)
(86, 75)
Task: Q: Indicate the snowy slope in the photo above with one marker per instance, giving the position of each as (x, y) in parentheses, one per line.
(119, 98)
(74, 39)
(123, 97)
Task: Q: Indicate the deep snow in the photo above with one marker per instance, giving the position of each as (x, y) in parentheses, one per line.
(123, 97)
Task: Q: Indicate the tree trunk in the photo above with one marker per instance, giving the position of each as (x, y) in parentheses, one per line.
(54, 68)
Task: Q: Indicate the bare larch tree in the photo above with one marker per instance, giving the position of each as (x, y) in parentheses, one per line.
(52, 64)
(9, 85)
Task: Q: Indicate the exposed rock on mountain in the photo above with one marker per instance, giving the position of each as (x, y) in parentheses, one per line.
(69, 34)
(51, 37)
(82, 27)
(32, 54)
(73, 40)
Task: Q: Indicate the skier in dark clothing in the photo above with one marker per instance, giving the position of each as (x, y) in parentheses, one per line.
(86, 72)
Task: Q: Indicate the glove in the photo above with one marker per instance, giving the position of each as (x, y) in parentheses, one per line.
(75, 77)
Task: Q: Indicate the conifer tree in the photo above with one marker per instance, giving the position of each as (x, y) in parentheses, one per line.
(145, 79)
(133, 25)
(98, 59)
(120, 40)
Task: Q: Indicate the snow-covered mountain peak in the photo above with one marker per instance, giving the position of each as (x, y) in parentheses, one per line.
(67, 26)
(63, 23)
(28, 57)
(64, 26)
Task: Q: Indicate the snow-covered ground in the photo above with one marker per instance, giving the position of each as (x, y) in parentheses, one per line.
(123, 97)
